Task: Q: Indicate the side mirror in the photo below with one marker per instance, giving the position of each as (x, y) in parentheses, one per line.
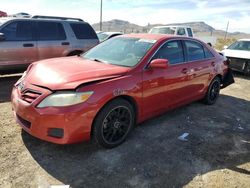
(225, 47)
(159, 63)
(2, 37)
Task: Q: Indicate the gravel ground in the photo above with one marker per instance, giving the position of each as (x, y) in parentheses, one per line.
(216, 154)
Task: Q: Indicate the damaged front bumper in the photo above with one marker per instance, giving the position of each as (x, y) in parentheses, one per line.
(228, 79)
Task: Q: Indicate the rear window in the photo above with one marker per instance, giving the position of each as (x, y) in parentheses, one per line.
(190, 33)
(83, 31)
(208, 54)
(50, 31)
(194, 51)
(18, 31)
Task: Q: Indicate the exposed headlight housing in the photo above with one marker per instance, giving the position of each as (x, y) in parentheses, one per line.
(65, 98)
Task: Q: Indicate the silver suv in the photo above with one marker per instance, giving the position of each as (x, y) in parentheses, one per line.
(23, 41)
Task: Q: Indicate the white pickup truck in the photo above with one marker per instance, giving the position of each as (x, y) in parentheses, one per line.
(182, 31)
(174, 30)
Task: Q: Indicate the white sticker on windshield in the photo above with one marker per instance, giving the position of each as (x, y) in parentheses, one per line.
(147, 40)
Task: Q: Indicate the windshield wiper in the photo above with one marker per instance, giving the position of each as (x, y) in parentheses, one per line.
(99, 60)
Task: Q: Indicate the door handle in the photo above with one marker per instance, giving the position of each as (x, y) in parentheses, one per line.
(184, 71)
(28, 45)
(65, 43)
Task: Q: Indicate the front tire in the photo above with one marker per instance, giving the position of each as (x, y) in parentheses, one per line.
(113, 123)
(213, 91)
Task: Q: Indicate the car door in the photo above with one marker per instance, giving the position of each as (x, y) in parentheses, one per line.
(52, 40)
(19, 46)
(200, 62)
(166, 88)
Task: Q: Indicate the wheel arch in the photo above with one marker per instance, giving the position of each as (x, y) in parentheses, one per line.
(127, 98)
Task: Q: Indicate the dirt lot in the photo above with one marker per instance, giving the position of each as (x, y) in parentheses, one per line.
(217, 153)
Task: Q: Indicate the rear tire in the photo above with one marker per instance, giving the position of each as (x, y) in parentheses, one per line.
(113, 123)
(247, 69)
(213, 91)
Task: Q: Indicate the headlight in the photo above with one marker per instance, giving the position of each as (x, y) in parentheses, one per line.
(65, 98)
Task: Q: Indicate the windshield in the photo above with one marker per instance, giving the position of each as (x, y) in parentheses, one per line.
(102, 36)
(163, 30)
(120, 51)
(240, 45)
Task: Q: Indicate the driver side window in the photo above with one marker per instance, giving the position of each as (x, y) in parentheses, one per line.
(172, 51)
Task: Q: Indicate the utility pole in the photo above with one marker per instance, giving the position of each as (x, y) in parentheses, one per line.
(226, 30)
(101, 17)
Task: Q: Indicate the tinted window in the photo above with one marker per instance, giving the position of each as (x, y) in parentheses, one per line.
(83, 31)
(194, 51)
(50, 31)
(18, 31)
(172, 51)
(190, 33)
(181, 31)
(208, 54)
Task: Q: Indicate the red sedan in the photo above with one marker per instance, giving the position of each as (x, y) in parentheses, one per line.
(103, 93)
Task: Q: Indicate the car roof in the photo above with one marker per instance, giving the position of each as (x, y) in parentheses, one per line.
(152, 36)
(165, 26)
(111, 33)
(244, 40)
(5, 19)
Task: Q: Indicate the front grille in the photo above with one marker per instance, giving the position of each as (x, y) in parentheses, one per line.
(24, 122)
(30, 95)
(236, 60)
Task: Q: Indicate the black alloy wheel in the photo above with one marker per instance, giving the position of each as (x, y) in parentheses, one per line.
(213, 91)
(113, 123)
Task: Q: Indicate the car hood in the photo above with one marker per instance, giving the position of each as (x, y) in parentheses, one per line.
(236, 53)
(70, 72)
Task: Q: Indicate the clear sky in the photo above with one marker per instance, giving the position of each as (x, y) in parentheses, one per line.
(216, 13)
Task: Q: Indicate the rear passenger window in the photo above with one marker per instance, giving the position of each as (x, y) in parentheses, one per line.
(18, 31)
(208, 54)
(181, 31)
(50, 31)
(172, 51)
(83, 31)
(190, 33)
(194, 51)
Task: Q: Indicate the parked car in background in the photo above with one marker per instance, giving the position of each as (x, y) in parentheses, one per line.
(104, 92)
(107, 35)
(21, 15)
(173, 30)
(25, 40)
(238, 54)
(3, 14)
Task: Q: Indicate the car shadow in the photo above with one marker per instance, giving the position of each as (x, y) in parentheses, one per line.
(6, 85)
(153, 156)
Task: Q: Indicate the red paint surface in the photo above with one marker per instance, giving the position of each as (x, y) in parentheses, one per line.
(153, 91)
